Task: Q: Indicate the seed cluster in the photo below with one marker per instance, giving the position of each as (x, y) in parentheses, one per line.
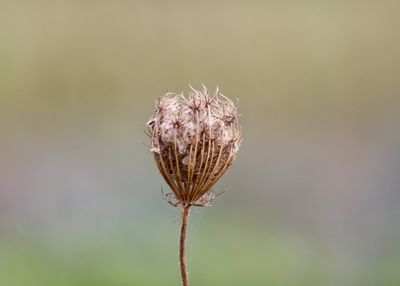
(194, 139)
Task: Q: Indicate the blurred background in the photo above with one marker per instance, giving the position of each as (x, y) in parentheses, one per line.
(313, 198)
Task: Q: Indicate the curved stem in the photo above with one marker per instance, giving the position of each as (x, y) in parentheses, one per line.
(182, 254)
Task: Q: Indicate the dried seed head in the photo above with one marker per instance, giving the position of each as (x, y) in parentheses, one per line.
(194, 140)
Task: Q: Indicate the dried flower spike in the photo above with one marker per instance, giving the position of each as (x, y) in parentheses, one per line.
(194, 140)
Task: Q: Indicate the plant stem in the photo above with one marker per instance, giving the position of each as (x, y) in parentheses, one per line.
(182, 254)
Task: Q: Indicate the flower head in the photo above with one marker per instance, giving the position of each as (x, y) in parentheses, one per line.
(194, 140)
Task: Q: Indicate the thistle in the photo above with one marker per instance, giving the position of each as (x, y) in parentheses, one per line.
(194, 140)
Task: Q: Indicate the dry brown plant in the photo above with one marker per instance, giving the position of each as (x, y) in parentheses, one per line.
(194, 139)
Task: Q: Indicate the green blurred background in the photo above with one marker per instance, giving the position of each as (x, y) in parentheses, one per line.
(313, 198)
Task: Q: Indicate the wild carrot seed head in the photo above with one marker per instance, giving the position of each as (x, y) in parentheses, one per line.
(194, 140)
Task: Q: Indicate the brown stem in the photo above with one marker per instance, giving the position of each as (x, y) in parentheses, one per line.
(182, 255)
